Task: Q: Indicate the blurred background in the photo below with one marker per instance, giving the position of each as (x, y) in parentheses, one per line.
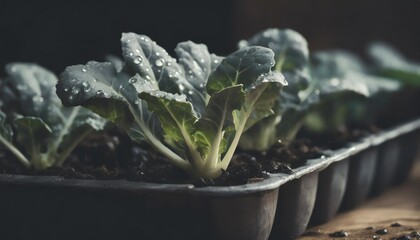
(60, 33)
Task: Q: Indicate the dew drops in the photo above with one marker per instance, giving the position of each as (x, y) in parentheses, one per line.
(242, 43)
(201, 85)
(157, 54)
(202, 60)
(85, 84)
(136, 102)
(190, 92)
(147, 77)
(22, 87)
(190, 72)
(66, 89)
(138, 60)
(142, 38)
(159, 62)
(178, 97)
(132, 80)
(84, 70)
(38, 99)
(131, 54)
(216, 61)
(75, 91)
(267, 33)
(100, 93)
(95, 80)
(317, 92)
(87, 89)
(334, 82)
(120, 87)
(181, 87)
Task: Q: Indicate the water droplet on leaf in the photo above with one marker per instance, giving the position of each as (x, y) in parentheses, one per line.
(159, 62)
(138, 60)
(132, 80)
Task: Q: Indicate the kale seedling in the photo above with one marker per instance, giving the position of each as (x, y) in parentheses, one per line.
(47, 131)
(193, 111)
(292, 59)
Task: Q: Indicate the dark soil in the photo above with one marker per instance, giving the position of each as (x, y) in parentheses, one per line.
(340, 139)
(114, 156)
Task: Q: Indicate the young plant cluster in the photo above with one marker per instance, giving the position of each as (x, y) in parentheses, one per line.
(198, 108)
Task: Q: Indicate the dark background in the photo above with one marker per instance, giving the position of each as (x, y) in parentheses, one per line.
(60, 33)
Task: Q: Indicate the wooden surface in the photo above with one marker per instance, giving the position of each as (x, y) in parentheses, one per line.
(400, 204)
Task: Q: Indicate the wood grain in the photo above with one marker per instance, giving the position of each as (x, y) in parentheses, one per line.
(400, 204)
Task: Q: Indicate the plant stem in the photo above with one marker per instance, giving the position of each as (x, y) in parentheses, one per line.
(152, 140)
(25, 162)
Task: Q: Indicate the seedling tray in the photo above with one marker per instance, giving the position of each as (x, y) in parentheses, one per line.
(280, 207)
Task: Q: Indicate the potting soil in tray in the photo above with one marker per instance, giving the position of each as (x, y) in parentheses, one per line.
(103, 156)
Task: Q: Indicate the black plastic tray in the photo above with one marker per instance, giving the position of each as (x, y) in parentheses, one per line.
(280, 207)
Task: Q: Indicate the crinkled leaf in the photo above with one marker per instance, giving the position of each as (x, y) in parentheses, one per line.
(34, 88)
(290, 47)
(100, 88)
(390, 63)
(143, 56)
(291, 55)
(197, 63)
(34, 98)
(241, 67)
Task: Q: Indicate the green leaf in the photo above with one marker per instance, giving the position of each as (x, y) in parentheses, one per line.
(290, 47)
(32, 133)
(6, 141)
(100, 88)
(143, 56)
(337, 71)
(261, 136)
(216, 127)
(261, 96)
(195, 128)
(34, 97)
(391, 63)
(176, 116)
(291, 55)
(197, 63)
(241, 67)
(5, 130)
(340, 82)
